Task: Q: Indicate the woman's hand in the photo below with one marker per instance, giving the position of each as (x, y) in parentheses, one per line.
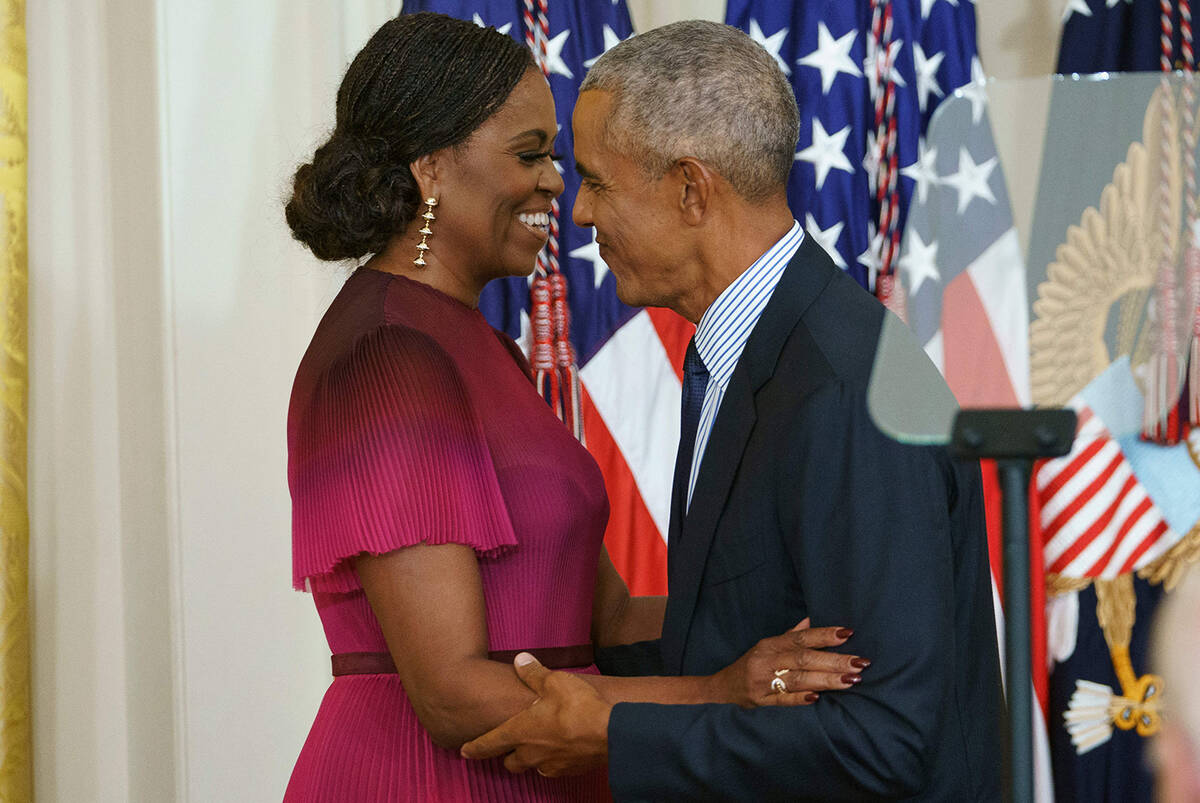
(798, 661)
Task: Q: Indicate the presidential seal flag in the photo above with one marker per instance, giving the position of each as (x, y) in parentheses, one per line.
(1110, 337)
(624, 402)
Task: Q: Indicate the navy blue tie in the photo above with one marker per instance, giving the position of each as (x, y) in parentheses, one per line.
(695, 381)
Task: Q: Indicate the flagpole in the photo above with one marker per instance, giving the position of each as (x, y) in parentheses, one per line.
(1015, 438)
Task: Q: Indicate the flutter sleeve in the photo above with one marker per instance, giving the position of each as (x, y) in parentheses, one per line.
(388, 452)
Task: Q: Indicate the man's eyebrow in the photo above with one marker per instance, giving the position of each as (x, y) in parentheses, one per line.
(582, 170)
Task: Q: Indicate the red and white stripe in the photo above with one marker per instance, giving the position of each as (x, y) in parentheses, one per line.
(631, 412)
(1097, 519)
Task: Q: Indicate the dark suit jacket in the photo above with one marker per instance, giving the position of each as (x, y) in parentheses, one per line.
(804, 508)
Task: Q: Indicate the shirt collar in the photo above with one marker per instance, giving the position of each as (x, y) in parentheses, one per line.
(726, 325)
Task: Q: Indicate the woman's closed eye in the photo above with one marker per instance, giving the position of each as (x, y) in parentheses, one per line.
(532, 157)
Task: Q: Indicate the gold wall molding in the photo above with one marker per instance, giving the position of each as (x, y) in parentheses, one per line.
(16, 750)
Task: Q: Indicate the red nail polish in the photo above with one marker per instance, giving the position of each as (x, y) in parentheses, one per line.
(859, 663)
(844, 632)
(852, 679)
(811, 697)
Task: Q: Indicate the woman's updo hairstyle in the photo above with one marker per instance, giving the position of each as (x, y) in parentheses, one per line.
(422, 83)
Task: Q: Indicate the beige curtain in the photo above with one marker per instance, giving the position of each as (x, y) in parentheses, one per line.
(16, 770)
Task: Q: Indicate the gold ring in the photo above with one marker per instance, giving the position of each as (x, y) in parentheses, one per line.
(781, 672)
(778, 686)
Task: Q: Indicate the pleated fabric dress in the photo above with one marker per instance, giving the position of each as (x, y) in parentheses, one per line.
(412, 420)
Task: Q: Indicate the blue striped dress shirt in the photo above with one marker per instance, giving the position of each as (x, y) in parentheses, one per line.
(726, 326)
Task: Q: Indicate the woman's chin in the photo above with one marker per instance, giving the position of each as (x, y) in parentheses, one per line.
(524, 267)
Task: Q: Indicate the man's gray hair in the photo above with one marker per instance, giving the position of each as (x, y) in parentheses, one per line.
(705, 90)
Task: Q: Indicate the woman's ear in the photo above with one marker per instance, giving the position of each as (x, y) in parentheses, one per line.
(426, 170)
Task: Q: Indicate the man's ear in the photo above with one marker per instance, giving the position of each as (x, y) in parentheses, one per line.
(697, 188)
(427, 170)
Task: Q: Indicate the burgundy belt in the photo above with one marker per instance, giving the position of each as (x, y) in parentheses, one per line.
(380, 663)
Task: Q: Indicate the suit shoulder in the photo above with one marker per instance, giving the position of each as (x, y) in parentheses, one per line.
(853, 331)
(843, 323)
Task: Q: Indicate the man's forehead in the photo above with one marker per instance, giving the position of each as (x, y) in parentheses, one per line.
(593, 102)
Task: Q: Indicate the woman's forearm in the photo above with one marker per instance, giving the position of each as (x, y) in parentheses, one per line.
(468, 699)
(788, 669)
(673, 690)
(429, 602)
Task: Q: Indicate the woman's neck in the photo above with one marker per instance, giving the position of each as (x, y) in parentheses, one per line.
(397, 258)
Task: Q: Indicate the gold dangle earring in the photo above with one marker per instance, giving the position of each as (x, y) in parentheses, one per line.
(425, 231)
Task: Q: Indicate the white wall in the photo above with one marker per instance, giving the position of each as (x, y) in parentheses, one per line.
(169, 309)
(168, 312)
(248, 90)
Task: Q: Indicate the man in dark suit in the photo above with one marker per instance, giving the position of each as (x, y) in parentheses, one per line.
(789, 502)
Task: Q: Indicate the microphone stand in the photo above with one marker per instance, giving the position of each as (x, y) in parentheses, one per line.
(1015, 438)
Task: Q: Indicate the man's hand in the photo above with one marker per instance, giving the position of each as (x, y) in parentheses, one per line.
(564, 731)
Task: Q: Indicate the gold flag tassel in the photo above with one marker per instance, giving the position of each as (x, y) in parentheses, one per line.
(1095, 709)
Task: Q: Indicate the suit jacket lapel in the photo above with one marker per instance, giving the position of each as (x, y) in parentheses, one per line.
(690, 540)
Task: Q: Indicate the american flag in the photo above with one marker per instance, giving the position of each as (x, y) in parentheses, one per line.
(629, 359)
(1104, 35)
(824, 50)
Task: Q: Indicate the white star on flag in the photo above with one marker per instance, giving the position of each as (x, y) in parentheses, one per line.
(926, 69)
(826, 151)
(919, 262)
(927, 6)
(923, 171)
(554, 59)
(870, 162)
(591, 252)
(611, 40)
(1113, 3)
(892, 55)
(558, 163)
(827, 238)
(504, 29)
(1079, 7)
(832, 56)
(871, 258)
(971, 180)
(771, 43)
(525, 339)
(975, 91)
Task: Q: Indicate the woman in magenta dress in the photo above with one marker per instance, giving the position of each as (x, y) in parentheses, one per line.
(443, 518)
